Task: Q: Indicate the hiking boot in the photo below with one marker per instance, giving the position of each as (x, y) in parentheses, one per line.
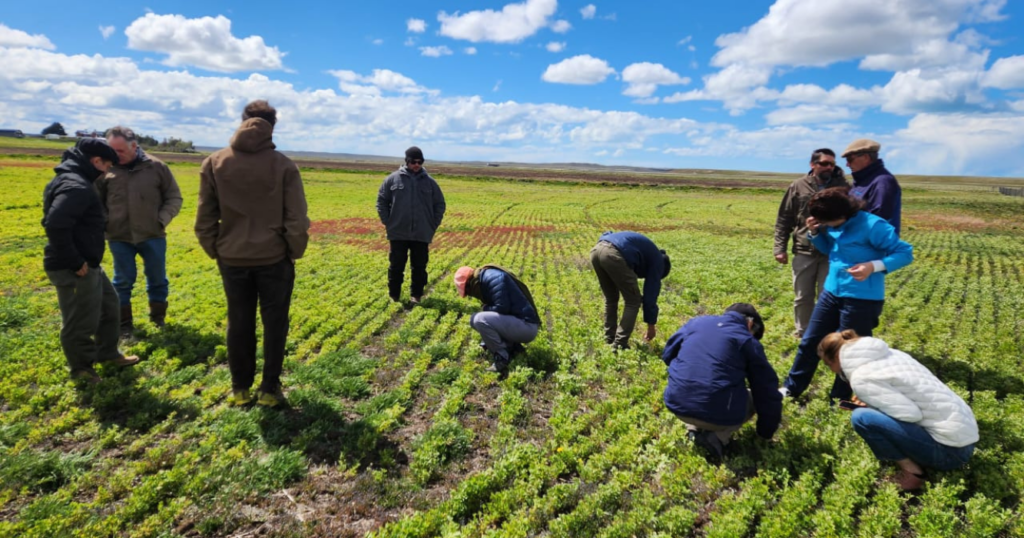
(784, 392)
(240, 397)
(708, 441)
(127, 326)
(499, 365)
(86, 376)
(909, 481)
(416, 300)
(158, 313)
(395, 298)
(270, 398)
(123, 361)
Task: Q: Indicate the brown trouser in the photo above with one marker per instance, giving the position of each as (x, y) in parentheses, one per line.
(616, 278)
(809, 272)
(724, 433)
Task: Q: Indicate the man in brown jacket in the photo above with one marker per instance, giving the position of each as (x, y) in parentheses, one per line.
(252, 219)
(141, 198)
(810, 267)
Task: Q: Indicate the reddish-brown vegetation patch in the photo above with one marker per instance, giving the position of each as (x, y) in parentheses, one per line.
(356, 231)
(25, 164)
(955, 222)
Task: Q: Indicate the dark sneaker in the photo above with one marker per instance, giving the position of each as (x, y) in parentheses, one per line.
(86, 376)
(909, 481)
(516, 349)
(499, 365)
(708, 441)
(395, 298)
(124, 361)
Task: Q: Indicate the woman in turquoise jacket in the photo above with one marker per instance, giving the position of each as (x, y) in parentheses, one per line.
(862, 248)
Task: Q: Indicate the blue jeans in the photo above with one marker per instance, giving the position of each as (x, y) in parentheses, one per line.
(154, 260)
(831, 314)
(893, 440)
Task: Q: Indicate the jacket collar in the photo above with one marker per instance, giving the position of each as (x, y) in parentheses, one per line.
(866, 350)
(872, 171)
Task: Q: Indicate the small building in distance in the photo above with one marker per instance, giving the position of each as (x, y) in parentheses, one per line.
(12, 133)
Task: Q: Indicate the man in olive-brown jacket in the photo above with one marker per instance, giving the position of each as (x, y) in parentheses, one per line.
(810, 267)
(141, 198)
(252, 219)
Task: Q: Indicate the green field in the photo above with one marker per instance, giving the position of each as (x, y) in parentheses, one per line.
(395, 429)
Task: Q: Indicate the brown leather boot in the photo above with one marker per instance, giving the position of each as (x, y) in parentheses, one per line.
(127, 326)
(158, 313)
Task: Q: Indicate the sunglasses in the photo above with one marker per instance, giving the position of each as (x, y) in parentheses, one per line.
(853, 156)
(826, 164)
(416, 161)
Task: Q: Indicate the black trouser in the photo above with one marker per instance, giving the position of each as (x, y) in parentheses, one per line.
(271, 287)
(400, 251)
(89, 316)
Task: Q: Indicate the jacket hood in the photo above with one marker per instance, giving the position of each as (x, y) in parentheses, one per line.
(405, 170)
(253, 136)
(75, 162)
(872, 171)
(865, 350)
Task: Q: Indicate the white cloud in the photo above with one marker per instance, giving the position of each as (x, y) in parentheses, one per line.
(555, 46)
(561, 26)
(107, 31)
(9, 37)
(205, 42)
(514, 23)
(378, 41)
(435, 52)
(416, 25)
(379, 80)
(410, 41)
(804, 114)
(804, 33)
(1006, 73)
(582, 69)
(685, 40)
(932, 53)
(644, 78)
(588, 11)
(497, 86)
(956, 143)
(469, 50)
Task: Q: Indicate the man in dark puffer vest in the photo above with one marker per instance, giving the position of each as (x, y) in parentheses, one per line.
(509, 318)
(74, 220)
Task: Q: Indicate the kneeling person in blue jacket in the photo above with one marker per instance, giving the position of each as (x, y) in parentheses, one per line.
(711, 361)
(509, 318)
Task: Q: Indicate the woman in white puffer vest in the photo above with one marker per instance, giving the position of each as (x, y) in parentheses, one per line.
(908, 415)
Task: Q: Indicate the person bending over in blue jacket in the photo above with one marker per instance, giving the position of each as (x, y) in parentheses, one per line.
(711, 361)
(861, 249)
(620, 259)
(509, 318)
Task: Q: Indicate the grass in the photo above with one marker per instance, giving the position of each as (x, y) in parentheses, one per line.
(394, 428)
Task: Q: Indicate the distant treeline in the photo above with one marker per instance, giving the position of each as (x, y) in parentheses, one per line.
(174, 145)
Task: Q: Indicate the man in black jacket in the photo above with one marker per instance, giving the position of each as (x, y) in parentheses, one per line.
(74, 220)
(411, 206)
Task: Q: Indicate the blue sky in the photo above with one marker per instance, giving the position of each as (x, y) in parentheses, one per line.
(728, 84)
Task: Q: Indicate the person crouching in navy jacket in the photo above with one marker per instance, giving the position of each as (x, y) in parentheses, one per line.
(711, 361)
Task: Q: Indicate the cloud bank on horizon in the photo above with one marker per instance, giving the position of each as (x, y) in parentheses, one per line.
(940, 83)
